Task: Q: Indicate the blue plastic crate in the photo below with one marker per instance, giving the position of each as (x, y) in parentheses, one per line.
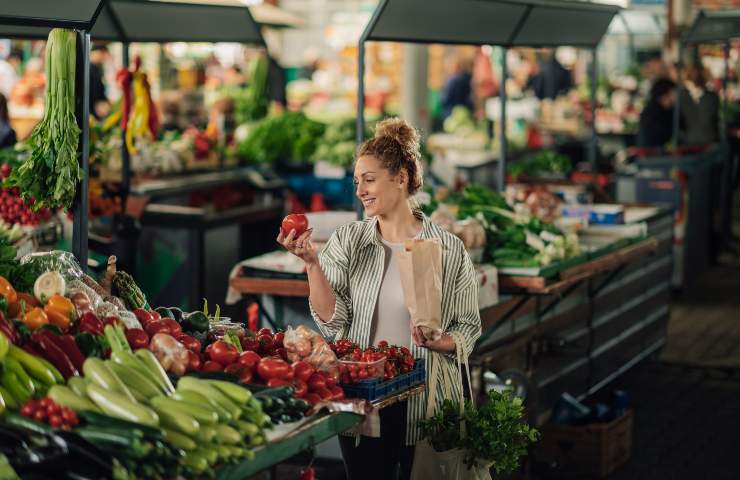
(374, 389)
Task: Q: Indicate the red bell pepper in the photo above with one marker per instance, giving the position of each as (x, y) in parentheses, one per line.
(90, 323)
(51, 351)
(69, 346)
(7, 328)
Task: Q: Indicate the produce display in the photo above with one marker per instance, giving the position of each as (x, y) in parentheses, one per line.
(543, 163)
(290, 137)
(357, 364)
(514, 239)
(338, 144)
(49, 177)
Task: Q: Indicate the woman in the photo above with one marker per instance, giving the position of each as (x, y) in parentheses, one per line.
(356, 291)
(7, 134)
(699, 109)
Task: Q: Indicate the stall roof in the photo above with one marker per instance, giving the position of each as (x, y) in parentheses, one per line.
(161, 22)
(34, 18)
(714, 26)
(637, 22)
(507, 23)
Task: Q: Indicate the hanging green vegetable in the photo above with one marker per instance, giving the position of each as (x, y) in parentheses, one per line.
(50, 175)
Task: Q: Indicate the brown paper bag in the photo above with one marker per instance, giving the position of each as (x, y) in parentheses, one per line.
(421, 279)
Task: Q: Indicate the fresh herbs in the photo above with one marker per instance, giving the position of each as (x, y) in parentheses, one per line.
(495, 434)
(289, 136)
(543, 162)
(50, 175)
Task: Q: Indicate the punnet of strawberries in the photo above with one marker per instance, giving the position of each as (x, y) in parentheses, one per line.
(359, 363)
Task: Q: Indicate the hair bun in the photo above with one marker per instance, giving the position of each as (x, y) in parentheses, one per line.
(400, 131)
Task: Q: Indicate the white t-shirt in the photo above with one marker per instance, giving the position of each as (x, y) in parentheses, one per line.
(391, 318)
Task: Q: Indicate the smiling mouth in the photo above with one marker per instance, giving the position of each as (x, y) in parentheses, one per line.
(368, 202)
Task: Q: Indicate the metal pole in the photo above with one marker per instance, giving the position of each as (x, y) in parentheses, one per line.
(82, 90)
(126, 159)
(677, 105)
(501, 177)
(594, 84)
(725, 133)
(360, 109)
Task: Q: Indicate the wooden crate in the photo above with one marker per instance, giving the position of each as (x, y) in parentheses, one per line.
(594, 450)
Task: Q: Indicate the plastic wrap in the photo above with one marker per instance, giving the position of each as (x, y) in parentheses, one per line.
(78, 285)
(171, 354)
(304, 344)
(129, 319)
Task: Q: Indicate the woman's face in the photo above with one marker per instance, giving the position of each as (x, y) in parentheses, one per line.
(378, 190)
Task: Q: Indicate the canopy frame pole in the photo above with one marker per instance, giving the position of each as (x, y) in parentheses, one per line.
(592, 150)
(503, 144)
(677, 103)
(725, 133)
(82, 90)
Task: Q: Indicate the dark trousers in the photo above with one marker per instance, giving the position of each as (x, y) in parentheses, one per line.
(386, 457)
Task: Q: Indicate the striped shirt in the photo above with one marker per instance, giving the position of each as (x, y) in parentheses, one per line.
(353, 261)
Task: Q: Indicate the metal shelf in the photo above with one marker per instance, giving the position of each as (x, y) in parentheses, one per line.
(181, 184)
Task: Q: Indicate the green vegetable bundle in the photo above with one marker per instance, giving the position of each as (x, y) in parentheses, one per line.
(51, 174)
(496, 433)
(542, 163)
(338, 144)
(251, 103)
(290, 136)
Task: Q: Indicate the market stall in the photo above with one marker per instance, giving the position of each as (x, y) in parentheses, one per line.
(163, 208)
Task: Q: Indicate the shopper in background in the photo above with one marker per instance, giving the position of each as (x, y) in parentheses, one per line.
(656, 119)
(458, 90)
(8, 75)
(356, 291)
(99, 104)
(7, 134)
(551, 78)
(699, 109)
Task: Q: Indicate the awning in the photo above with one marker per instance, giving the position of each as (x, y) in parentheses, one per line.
(34, 18)
(714, 26)
(637, 22)
(161, 22)
(507, 23)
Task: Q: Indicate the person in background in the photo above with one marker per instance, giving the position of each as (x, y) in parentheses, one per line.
(699, 109)
(551, 79)
(99, 104)
(656, 119)
(458, 90)
(8, 75)
(7, 134)
(276, 84)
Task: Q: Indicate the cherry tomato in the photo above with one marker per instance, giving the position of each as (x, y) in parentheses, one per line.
(307, 474)
(69, 415)
(336, 393)
(53, 410)
(55, 421)
(383, 344)
(294, 221)
(40, 415)
(45, 402)
(211, 366)
(27, 410)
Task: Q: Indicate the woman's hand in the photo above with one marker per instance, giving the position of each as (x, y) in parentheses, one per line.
(301, 247)
(444, 344)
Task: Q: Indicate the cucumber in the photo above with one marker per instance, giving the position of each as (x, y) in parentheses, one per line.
(199, 399)
(210, 392)
(204, 415)
(177, 420)
(12, 418)
(178, 440)
(226, 434)
(78, 385)
(118, 406)
(101, 375)
(236, 393)
(152, 364)
(65, 397)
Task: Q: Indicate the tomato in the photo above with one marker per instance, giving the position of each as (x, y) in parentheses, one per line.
(269, 368)
(143, 316)
(39, 415)
(278, 382)
(249, 359)
(193, 361)
(294, 221)
(336, 393)
(175, 328)
(303, 370)
(324, 393)
(27, 410)
(264, 331)
(300, 387)
(55, 421)
(157, 326)
(224, 353)
(45, 403)
(211, 366)
(265, 343)
(282, 353)
(190, 342)
(69, 416)
(243, 373)
(405, 351)
(278, 339)
(312, 398)
(155, 315)
(383, 344)
(316, 381)
(250, 344)
(137, 338)
(307, 474)
(7, 291)
(331, 381)
(362, 373)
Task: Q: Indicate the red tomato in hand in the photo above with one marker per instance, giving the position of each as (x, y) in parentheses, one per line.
(249, 359)
(190, 342)
(223, 353)
(193, 361)
(211, 366)
(303, 370)
(295, 221)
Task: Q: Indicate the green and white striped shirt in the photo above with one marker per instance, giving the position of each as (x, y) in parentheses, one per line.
(353, 262)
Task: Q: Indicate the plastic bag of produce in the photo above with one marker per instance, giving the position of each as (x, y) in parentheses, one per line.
(304, 344)
(171, 354)
(34, 265)
(421, 279)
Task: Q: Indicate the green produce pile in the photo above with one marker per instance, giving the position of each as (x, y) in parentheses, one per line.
(289, 136)
(496, 433)
(252, 103)
(460, 121)
(51, 174)
(542, 163)
(515, 240)
(339, 143)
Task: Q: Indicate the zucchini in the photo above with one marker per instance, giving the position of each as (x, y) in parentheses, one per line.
(105, 421)
(202, 414)
(152, 364)
(65, 397)
(119, 406)
(210, 454)
(210, 392)
(34, 366)
(7, 399)
(141, 387)
(247, 429)
(276, 392)
(236, 393)
(206, 434)
(196, 462)
(197, 398)
(129, 441)
(78, 385)
(101, 375)
(178, 440)
(226, 434)
(177, 420)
